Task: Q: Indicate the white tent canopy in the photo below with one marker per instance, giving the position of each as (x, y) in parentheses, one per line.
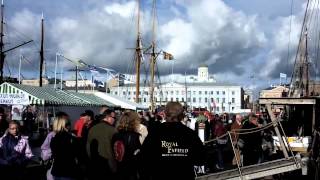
(125, 104)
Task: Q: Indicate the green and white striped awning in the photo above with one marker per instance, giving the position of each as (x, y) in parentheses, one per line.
(10, 89)
(50, 96)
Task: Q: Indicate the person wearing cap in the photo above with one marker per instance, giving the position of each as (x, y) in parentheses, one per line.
(172, 149)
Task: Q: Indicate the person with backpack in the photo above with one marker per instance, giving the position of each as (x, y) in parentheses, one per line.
(14, 153)
(126, 146)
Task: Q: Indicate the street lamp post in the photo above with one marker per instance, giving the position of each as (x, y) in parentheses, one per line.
(55, 71)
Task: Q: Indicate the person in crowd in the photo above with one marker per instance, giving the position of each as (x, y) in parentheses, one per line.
(64, 152)
(46, 153)
(84, 117)
(99, 148)
(252, 142)
(3, 123)
(220, 134)
(14, 153)
(172, 150)
(127, 146)
(236, 125)
(143, 131)
(28, 118)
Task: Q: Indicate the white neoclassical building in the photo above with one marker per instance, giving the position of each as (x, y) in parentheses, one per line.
(204, 92)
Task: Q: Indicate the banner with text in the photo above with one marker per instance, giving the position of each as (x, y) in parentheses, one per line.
(11, 99)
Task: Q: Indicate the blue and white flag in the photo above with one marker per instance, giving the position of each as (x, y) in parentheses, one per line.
(282, 75)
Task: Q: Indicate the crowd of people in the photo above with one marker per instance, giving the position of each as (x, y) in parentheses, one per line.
(123, 146)
(131, 145)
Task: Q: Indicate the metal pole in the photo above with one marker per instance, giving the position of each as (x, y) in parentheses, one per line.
(76, 78)
(19, 76)
(55, 72)
(61, 72)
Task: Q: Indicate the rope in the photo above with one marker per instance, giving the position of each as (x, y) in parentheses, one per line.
(252, 130)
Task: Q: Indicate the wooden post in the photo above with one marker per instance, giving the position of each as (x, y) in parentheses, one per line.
(313, 117)
(275, 125)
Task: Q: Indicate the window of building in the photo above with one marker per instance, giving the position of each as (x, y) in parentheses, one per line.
(177, 99)
(177, 92)
(200, 92)
(189, 92)
(134, 93)
(167, 92)
(124, 93)
(205, 100)
(217, 92)
(146, 93)
(129, 92)
(233, 100)
(223, 100)
(139, 99)
(223, 108)
(194, 92)
(171, 99)
(144, 100)
(189, 99)
(206, 92)
(200, 100)
(139, 92)
(232, 108)
(218, 108)
(212, 100)
(171, 92)
(116, 93)
(223, 92)
(232, 92)
(194, 100)
(211, 92)
(182, 99)
(166, 99)
(218, 100)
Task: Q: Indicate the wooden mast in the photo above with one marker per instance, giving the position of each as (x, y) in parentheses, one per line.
(41, 51)
(153, 57)
(2, 51)
(1, 43)
(138, 54)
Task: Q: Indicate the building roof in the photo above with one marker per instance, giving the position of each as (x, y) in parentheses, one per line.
(203, 65)
(187, 84)
(49, 96)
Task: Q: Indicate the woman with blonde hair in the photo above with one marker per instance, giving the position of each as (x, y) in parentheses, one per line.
(64, 150)
(46, 154)
(126, 146)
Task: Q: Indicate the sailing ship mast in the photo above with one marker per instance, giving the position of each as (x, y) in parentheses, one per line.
(41, 51)
(299, 85)
(138, 54)
(153, 57)
(2, 51)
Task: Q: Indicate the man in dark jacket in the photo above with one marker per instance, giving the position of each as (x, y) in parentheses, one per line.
(99, 147)
(172, 150)
(252, 142)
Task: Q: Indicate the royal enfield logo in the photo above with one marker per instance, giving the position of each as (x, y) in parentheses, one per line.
(173, 149)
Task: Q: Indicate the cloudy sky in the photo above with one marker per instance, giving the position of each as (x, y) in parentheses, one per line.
(237, 39)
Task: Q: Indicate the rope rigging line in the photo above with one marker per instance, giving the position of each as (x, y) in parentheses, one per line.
(289, 35)
(298, 49)
(250, 131)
